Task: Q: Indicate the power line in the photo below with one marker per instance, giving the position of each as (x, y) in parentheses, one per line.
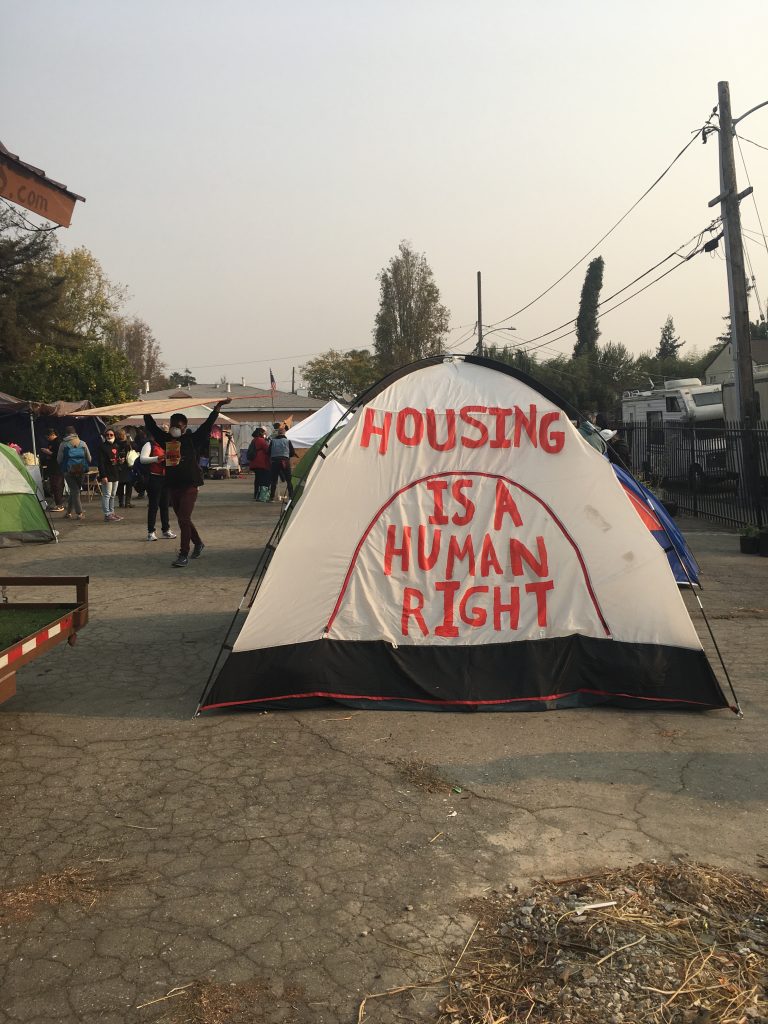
(752, 142)
(650, 284)
(23, 224)
(300, 355)
(695, 238)
(609, 232)
(752, 275)
(757, 211)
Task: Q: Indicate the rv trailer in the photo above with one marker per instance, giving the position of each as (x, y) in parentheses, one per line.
(675, 433)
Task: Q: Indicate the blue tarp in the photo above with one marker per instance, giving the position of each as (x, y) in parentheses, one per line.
(667, 533)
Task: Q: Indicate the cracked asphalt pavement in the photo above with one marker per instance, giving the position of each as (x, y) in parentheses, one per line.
(306, 851)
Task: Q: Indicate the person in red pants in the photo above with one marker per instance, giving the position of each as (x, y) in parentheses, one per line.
(183, 449)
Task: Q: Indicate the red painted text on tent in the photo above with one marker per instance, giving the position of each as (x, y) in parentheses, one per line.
(471, 557)
(472, 426)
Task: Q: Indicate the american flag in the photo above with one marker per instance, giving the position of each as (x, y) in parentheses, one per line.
(272, 382)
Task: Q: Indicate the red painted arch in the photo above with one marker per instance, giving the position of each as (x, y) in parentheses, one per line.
(491, 476)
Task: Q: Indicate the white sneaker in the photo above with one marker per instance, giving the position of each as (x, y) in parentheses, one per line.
(152, 536)
(168, 535)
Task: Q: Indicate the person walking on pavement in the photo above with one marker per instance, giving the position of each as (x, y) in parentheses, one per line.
(261, 464)
(73, 458)
(153, 457)
(183, 449)
(281, 452)
(125, 471)
(108, 460)
(49, 461)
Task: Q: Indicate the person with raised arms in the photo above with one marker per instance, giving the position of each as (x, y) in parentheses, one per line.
(183, 448)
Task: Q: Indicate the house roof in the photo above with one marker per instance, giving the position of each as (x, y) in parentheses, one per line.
(759, 352)
(262, 403)
(38, 172)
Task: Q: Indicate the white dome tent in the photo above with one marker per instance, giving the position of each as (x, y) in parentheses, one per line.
(484, 557)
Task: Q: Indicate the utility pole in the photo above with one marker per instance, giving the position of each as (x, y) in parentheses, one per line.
(741, 344)
(479, 350)
(293, 380)
(729, 198)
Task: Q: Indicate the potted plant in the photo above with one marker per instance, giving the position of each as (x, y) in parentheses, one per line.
(749, 541)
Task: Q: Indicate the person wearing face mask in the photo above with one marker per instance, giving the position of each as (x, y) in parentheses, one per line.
(153, 458)
(183, 449)
(108, 460)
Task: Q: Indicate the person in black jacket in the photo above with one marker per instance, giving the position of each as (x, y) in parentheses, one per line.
(52, 471)
(108, 460)
(183, 449)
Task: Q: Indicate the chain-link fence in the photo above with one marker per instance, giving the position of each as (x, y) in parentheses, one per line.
(718, 472)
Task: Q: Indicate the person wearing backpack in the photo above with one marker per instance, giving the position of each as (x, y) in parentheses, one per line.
(73, 458)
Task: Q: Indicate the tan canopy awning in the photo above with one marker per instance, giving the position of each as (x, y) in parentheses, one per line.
(156, 406)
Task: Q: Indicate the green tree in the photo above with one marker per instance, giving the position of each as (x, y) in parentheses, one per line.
(133, 337)
(90, 302)
(587, 331)
(95, 371)
(179, 379)
(411, 322)
(335, 374)
(514, 356)
(30, 293)
(669, 343)
(616, 373)
(571, 378)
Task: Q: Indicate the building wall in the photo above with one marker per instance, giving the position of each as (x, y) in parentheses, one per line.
(721, 367)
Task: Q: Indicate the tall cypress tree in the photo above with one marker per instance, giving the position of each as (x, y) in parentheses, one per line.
(587, 331)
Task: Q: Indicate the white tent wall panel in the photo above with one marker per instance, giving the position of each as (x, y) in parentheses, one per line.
(605, 567)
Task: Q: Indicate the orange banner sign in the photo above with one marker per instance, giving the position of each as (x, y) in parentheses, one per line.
(33, 193)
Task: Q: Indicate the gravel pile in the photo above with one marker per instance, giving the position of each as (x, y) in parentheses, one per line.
(682, 944)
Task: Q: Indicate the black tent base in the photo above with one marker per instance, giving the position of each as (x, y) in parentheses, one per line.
(533, 675)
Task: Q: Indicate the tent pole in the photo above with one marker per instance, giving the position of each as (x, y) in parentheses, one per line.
(32, 432)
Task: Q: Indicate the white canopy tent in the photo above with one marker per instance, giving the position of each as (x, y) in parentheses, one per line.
(320, 423)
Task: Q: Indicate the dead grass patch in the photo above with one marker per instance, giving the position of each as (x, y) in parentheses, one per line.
(75, 885)
(425, 776)
(85, 886)
(653, 944)
(250, 1002)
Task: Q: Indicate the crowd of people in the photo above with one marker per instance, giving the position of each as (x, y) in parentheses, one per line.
(161, 462)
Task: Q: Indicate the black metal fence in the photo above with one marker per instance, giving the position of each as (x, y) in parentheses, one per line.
(717, 472)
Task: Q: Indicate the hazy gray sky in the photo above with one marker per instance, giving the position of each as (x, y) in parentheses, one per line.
(250, 167)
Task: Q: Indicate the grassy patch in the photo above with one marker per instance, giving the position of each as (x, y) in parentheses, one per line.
(18, 623)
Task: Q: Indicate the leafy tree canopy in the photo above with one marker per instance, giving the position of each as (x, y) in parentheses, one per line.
(411, 322)
(30, 294)
(336, 374)
(93, 370)
(184, 379)
(133, 337)
(90, 302)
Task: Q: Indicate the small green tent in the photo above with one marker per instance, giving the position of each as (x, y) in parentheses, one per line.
(22, 517)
